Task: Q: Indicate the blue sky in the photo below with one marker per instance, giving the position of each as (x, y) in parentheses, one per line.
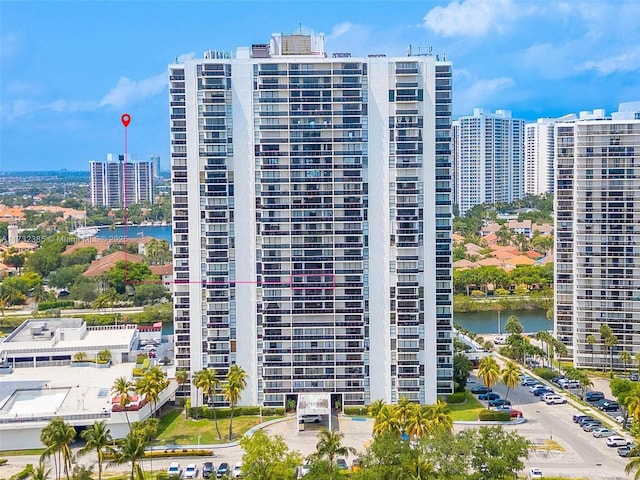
(69, 70)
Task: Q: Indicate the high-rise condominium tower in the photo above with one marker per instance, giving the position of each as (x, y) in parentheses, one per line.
(489, 158)
(116, 183)
(597, 234)
(312, 221)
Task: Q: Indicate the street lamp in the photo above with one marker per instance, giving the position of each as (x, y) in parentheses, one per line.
(199, 440)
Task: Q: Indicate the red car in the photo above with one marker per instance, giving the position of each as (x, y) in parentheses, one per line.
(515, 413)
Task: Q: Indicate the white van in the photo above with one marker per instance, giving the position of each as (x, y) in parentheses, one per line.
(555, 400)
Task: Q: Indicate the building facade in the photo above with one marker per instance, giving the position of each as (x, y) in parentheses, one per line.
(116, 183)
(539, 154)
(312, 221)
(597, 234)
(489, 159)
(155, 160)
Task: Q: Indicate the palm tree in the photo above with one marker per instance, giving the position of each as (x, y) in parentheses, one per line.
(57, 437)
(104, 355)
(79, 357)
(418, 469)
(583, 380)
(122, 388)
(636, 359)
(418, 420)
(330, 447)
(625, 358)
(401, 411)
(386, 421)
(151, 385)
(208, 382)
(375, 407)
(510, 376)
(131, 450)
(40, 472)
(440, 418)
(98, 439)
(232, 390)
(591, 341)
(148, 431)
(488, 371)
(632, 402)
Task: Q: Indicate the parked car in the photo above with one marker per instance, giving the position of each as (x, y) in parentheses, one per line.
(304, 469)
(633, 377)
(578, 416)
(535, 473)
(555, 400)
(498, 402)
(207, 469)
(602, 432)
(174, 470)
(190, 471)
(536, 386)
(488, 396)
(528, 382)
(586, 419)
(609, 406)
(223, 470)
(542, 391)
(480, 389)
(355, 465)
(557, 380)
(341, 464)
(626, 450)
(237, 470)
(591, 426)
(311, 419)
(592, 396)
(617, 441)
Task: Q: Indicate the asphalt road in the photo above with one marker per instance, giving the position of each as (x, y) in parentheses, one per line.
(584, 455)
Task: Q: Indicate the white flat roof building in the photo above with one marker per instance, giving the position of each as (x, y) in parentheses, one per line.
(54, 341)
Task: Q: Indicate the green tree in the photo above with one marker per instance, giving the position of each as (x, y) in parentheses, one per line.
(591, 341)
(151, 385)
(375, 407)
(440, 418)
(625, 358)
(386, 421)
(329, 448)
(122, 388)
(97, 439)
(268, 458)
(461, 371)
(57, 437)
(207, 380)
(489, 371)
(510, 376)
(40, 472)
(609, 340)
(130, 450)
(232, 390)
(513, 326)
(497, 454)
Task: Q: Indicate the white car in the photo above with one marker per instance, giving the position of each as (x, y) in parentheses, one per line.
(532, 388)
(535, 473)
(174, 470)
(311, 419)
(554, 400)
(190, 471)
(602, 432)
(237, 470)
(617, 441)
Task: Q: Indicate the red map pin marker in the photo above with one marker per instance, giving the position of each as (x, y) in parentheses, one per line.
(125, 119)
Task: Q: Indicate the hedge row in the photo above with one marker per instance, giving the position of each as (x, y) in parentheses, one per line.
(178, 452)
(24, 473)
(206, 412)
(55, 304)
(458, 397)
(545, 373)
(3, 461)
(492, 416)
(355, 411)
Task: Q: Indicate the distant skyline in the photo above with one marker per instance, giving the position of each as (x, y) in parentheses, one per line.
(70, 69)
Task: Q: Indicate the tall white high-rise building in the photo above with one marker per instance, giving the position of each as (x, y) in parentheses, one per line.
(155, 159)
(597, 233)
(312, 221)
(114, 183)
(489, 158)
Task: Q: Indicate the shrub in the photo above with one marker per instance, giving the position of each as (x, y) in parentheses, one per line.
(501, 292)
(355, 410)
(477, 293)
(206, 412)
(137, 372)
(458, 397)
(3, 461)
(24, 473)
(55, 304)
(545, 373)
(491, 416)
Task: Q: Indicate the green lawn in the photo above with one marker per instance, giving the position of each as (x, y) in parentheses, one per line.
(467, 411)
(176, 430)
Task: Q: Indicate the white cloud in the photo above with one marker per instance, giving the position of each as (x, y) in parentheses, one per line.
(20, 108)
(185, 56)
(471, 18)
(628, 61)
(481, 92)
(340, 30)
(127, 91)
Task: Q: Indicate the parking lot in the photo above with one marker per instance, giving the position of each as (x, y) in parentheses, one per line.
(561, 446)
